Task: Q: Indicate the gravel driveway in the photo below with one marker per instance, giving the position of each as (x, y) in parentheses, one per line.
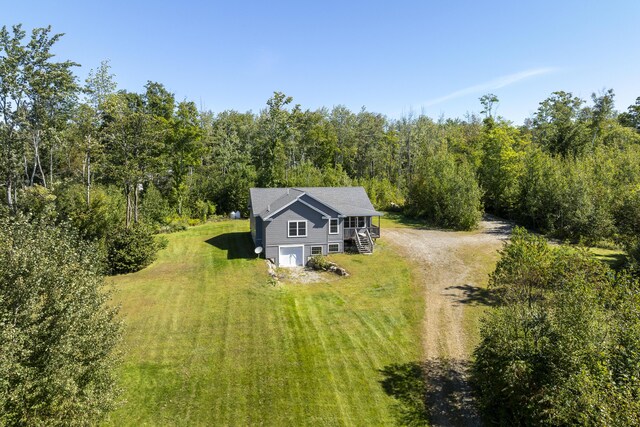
(452, 265)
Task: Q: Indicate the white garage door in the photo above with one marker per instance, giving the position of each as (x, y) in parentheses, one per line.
(291, 256)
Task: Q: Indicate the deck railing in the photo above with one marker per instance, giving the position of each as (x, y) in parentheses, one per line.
(348, 233)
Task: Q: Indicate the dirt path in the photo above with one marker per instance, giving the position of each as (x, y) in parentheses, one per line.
(452, 265)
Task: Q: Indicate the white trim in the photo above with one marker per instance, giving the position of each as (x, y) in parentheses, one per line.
(282, 208)
(297, 199)
(329, 248)
(337, 225)
(312, 248)
(297, 228)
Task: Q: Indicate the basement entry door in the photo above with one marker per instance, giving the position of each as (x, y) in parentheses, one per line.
(291, 256)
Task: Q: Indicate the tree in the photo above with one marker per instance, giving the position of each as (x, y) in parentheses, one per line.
(488, 101)
(12, 108)
(631, 118)
(51, 91)
(541, 189)
(130, 249)
(445, 192)
(183, 148)
(559, 126)
(57, 334)
(501, 167)
(98, 86)
(343, 121)
(158, 101)
(36, 99)
(318, 139)
(371, 139)
(601, 116)
(133, 143)
(275, 149)
(523, 270)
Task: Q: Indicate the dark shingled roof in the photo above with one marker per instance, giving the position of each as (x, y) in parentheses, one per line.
(348, 201)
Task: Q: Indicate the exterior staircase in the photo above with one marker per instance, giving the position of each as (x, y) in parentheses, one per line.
(364, 242)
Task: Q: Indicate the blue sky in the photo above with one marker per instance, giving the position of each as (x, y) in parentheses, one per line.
(390, 57)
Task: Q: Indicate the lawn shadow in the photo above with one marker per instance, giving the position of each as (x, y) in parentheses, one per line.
(238, 245)
(472, 295)
(615, 261)
(406, 383)
(435, 392)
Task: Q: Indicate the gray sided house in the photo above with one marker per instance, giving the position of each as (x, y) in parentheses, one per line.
(293, 224)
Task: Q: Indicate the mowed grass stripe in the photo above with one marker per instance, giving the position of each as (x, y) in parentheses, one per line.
(209, 341)
(344, 371)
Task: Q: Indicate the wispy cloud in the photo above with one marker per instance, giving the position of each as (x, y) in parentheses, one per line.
(494, 84)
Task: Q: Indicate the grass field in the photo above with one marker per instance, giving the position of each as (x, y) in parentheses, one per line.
(209, 341)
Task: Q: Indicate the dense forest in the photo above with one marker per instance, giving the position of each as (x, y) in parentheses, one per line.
(113, 167)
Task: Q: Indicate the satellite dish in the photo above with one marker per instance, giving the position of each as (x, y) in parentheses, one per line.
(258, 250)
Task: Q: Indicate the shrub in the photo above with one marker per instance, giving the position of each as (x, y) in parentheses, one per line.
(57, 334)
(154, 208)
(383, 194)
(38, 202)
(563, 348)
(131, 249)
(200, 210)
(445, 192)
(319, 262)
(96, 221)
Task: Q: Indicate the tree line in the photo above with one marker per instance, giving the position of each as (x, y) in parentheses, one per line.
(571, 169)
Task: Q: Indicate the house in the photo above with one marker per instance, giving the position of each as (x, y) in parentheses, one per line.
(293, 224)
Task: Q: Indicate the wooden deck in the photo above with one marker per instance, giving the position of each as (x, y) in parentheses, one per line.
(349, 232)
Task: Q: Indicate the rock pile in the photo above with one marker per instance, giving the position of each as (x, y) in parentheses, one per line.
(324, 265)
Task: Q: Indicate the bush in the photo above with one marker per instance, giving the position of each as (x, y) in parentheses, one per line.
(319, 262)
(563, 348)
(154, 208)
(200, 210)
(131, 249)
(445, 193)
(38, 202)
(57, 334)
(96, 221)
(383, 194)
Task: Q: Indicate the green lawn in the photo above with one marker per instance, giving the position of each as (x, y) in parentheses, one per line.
(209, 341)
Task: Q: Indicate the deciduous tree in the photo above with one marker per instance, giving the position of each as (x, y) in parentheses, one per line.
(57, 333)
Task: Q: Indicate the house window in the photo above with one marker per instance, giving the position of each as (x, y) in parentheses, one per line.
(333, 226)
(316, 250)
(297, 229)
(334, 247)
(357, 221)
